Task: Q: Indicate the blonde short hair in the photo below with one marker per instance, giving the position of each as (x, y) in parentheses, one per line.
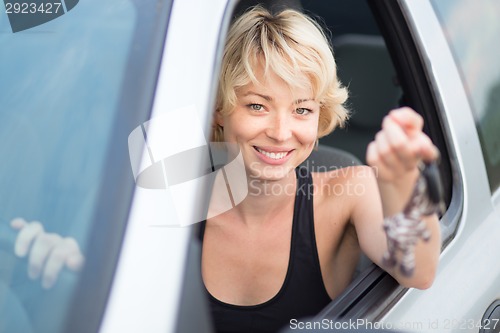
(295, 48)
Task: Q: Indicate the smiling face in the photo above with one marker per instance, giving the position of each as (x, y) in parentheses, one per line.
(274, 125)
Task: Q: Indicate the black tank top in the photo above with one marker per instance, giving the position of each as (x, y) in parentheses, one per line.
(302, 294)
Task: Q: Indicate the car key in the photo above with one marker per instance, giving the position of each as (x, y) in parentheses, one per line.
(403, 230)
(435, 192)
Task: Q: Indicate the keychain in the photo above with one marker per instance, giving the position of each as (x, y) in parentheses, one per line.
(403, 230)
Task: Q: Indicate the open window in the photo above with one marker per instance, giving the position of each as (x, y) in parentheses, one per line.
(380, 62)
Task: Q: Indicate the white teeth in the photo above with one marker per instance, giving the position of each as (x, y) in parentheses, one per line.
(274, 156)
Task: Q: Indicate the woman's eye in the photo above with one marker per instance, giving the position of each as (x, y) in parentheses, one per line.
(256, 107)
(302, 111)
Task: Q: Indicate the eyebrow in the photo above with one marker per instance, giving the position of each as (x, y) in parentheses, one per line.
(267, 98)
(270, 99)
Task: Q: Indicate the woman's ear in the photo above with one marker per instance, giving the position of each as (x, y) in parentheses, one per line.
(217, 127)
(218, 118)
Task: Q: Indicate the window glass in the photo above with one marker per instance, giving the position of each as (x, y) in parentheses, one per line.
(62, 86)
(472, 29)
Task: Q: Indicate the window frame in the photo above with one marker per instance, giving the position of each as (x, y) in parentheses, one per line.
(193, 295)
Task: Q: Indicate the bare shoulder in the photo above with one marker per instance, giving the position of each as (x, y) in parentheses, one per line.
(341, 182)
(342, 190)
(339, 189)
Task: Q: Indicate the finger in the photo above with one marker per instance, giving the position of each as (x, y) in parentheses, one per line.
(371, 154)
(25, 238)
(42, 246)
(53, 266)
(66, 252)
(373, 159)
(411, 121)
(399, 143)
(426, 149)
(76, 260)
(386, 154)
(18, 223)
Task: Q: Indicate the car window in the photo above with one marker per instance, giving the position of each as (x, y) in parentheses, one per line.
(472, 29)
(71, 90)
(366, 58)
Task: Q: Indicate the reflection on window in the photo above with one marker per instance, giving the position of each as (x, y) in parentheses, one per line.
(60, 85)
(473, 29)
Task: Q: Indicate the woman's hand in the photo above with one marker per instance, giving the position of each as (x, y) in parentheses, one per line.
(395, 154)
(47, 253)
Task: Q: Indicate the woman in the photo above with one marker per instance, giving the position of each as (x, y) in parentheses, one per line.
(285, 252)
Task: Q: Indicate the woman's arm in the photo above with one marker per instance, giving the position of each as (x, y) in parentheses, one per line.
(394, 156)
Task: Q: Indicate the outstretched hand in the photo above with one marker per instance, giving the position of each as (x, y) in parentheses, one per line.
(395, 154)
(47, 253)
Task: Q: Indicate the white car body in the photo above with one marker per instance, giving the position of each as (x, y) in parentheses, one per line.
(153, 288)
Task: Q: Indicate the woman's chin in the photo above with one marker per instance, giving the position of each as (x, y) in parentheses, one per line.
(269, 172)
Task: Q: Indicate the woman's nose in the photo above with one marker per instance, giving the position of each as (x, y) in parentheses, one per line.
(279, 128)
